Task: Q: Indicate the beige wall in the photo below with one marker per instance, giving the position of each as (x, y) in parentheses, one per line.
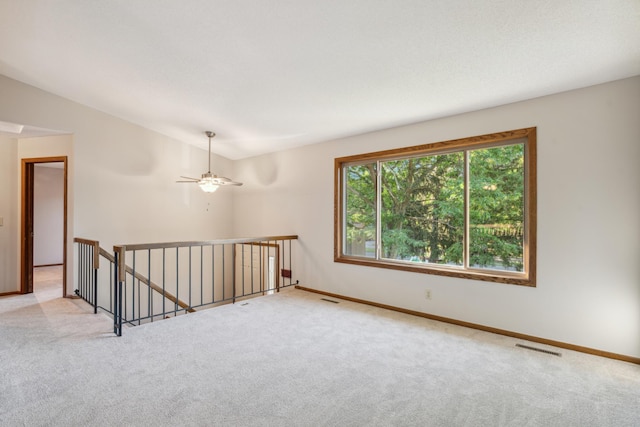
(9, 213)
(121, 176)
(588, 291)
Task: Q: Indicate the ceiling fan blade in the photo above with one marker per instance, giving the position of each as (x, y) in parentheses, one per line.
(222, 180)
(188, 177)
(187, 182)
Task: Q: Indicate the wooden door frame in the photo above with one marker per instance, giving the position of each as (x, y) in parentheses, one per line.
(26, 216)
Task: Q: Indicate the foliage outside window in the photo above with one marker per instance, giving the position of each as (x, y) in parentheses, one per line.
(463, 208)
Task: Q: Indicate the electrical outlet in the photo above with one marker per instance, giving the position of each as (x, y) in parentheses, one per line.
(427, 294)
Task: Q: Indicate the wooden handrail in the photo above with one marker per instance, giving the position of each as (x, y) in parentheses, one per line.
(142, 246)
(96, 249)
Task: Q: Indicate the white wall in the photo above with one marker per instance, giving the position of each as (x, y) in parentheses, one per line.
(9, 214)
(121, 176)
(48, 215)
(588, 290)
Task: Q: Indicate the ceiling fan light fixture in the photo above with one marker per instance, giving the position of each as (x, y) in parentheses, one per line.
(208, 183)
(208, 186)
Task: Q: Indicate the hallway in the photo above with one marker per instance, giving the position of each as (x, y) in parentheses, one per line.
(46, 313)
(47, 282)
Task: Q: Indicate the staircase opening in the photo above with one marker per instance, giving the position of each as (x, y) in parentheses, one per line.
(147, 282)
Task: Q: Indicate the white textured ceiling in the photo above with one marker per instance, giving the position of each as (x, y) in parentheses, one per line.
(274, 74)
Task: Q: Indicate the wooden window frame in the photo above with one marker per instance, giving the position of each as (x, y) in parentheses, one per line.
(525, 278)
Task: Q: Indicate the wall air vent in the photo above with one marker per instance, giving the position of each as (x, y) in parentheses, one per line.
(541, 350)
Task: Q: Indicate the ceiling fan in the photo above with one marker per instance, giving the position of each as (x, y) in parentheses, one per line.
(209, 182)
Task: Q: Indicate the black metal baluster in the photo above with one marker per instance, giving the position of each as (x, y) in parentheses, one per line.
(213, 273)
(79, 267)
(243, 245)
(260, 267)
(81, 273)
(164, 292)
(223, 281)
(133, 291)
(111, 291)
(96, 257)
(290, 268)
(123, 294)
(251, 265)
(175, 311)
(84, 272)
(90, 274)
(115, 294)
(149, 297)
(233, 271)
(273, 266)
(120, 315)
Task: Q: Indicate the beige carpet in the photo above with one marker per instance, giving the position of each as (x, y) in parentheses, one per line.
(291, 359)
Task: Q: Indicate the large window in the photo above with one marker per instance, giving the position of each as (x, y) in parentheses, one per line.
(462, 208)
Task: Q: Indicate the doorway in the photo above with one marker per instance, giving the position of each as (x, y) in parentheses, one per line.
(28, 221)
(257, 263)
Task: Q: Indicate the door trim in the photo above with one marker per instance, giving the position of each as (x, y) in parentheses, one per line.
(26, 279)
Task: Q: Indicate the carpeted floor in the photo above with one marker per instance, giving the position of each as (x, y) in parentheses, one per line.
(291, 359)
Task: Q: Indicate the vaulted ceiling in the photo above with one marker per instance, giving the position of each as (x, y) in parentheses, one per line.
(275, 74)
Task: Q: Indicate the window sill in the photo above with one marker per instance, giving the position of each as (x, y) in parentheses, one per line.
(513, 278)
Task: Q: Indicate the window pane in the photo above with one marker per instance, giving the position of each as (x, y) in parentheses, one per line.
(422, 211)
(360, 212)
(496, 208)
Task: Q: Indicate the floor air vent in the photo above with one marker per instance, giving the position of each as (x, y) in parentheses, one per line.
(541, 350)
(330, 300)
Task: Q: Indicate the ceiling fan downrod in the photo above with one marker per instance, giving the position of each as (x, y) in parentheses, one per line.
(210, 135)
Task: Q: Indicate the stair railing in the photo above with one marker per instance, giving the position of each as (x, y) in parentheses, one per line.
(154, 281)
(88, 267)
